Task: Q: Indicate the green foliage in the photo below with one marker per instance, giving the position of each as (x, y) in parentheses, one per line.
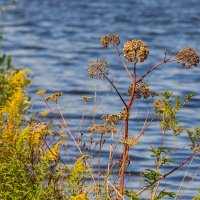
(150, 176)
(165, 194)
(77, 176)
(131, 194)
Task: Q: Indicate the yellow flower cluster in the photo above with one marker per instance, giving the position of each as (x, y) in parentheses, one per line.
(135, 51)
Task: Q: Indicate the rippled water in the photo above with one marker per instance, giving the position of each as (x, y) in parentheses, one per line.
(56, 39)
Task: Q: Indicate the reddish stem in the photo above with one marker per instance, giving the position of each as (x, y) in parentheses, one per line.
(124, 155)
(153, 68)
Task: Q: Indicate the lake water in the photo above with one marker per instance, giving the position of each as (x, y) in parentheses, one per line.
(56, 39)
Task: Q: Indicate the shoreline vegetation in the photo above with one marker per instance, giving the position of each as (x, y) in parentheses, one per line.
(31, 163)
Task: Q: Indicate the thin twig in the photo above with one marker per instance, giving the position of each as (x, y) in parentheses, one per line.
(153, 68)
(118, 54)
(120, 96)
(167, 174)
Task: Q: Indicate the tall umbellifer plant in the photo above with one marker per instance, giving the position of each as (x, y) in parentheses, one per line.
(136, 52)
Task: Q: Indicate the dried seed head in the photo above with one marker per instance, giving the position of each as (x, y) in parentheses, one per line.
(160, 106)
(44, 113)
(86, 98)
(188, 57)
(114, 118)
(54, 96)
(142, 90)
(41, 92)
(98, 68)
(130, 141)
(108, 39)
(39, 126)
(135, 51)
(102, 128)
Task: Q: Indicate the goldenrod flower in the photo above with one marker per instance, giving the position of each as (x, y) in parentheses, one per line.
(135, 51)
(188, 57)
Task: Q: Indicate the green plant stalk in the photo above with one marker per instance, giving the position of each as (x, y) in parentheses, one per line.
(158, 164)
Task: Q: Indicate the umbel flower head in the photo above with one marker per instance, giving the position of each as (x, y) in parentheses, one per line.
(142, 90)
(130, 141)
(159, 106)
(188, 57)
(54, 97)
(135, 51)
(114, 118)
(98, 68)
(102, 128)
(108, 39)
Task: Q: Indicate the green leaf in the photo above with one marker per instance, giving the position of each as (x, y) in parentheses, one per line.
(131, 194)
(9, 61)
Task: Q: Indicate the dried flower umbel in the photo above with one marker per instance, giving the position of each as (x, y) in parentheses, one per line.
(98, 68)
(142, 90)
(130, 141)
(41, 92)
(39, 126)
(108, 39)
(102, 128)
(86, 98)
(114, 118)
(188, 57)
(44, 113)
(159, 106)
(54, 97)
(135, 51)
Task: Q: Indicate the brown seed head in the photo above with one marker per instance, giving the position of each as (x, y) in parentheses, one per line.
(142, 90)
(108, 39)
(111, 118)
(44, 113)
(102, 128)
(41, 92)
(86, 98)
(97, 68)
(130, 141)
(54, 97)
(160, 106)
(188, 57)
(135, 51)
